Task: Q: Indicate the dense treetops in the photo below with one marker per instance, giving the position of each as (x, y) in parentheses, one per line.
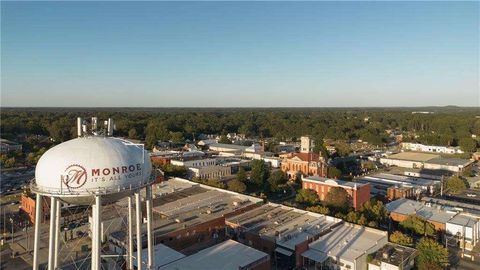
(447, 127)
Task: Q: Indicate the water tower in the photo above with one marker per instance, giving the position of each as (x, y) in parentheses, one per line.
(93, 169)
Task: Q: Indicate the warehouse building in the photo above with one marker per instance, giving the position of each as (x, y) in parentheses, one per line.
(428, 161)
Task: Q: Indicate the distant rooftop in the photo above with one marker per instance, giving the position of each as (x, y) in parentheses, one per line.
(231, 146)
(228, 255)
(410, 207)
(415, 156)
(333, 182)
(430, 158)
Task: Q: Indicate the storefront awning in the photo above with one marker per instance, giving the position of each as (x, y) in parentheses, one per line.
(315, 255)
(284, 251)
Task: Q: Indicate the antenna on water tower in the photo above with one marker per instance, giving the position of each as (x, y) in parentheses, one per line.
(110, 127)
(79, 126)
(94, 125)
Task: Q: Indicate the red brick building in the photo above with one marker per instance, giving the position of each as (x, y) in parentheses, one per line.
(359, 192)
(394, 193)
(28, 204)
(306, 162)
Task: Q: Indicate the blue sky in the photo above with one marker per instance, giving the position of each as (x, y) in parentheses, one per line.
(247, 54)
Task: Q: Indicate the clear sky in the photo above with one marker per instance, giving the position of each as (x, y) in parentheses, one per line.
(246, 54)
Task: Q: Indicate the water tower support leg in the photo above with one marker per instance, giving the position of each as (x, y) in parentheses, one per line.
(139, 231)
(36, 237)
(130, 234)
(52, 233)
(57, 234)
(98, 207)
(149, 227)
(94, 242)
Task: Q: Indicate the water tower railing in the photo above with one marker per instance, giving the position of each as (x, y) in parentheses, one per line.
(83, 191)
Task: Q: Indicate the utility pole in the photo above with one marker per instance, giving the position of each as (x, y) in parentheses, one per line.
(441, 187)
(11, 236)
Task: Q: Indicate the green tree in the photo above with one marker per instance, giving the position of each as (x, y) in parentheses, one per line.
(362, 220)
(259, 174)
(132, 133)
(337, 197)
(215, 182)
(418, 225)
(431, 255)
(61, 130)
(173, 170)
(10, 162)
(468, 144)
(177, 137)
(307, 197)
(277, 179)
(242, 175)
(320, 209)
(375, 211)
(343, 149)
(401, 239)
(333, 172)
(454, 185)
(237, 186)
(352, 217)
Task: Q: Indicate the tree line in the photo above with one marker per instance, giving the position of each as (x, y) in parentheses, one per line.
(448, 127)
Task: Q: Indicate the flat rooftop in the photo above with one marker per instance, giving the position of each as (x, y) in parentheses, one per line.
(333, 182)
(228, 255)
(410, 207)
(454, 205)
(162, 255)
(284, 225)
(430, 158)
(228, 146)
(414, 156)
(392, 179)
(348, 241)
(194, 205)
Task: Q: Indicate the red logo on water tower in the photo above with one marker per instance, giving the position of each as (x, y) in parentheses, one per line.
(75, 176)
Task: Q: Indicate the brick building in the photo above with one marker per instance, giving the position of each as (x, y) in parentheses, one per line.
(28, 204)
(306, 162)
(359, 192)
(394, 193)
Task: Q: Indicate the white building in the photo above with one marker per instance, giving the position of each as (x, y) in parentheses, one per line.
(210, 172)
(428, 161)
(194, 163)
(346, 247)
(467, 228)
(431, 148)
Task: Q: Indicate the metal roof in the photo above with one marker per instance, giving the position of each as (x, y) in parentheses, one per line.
(348, 241)
(228, 255)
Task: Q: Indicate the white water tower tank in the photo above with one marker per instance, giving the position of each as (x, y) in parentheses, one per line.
(76, 170)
